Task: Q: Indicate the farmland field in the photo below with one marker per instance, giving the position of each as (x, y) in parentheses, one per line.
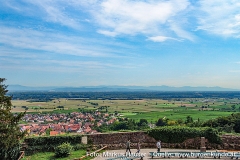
(150, 109)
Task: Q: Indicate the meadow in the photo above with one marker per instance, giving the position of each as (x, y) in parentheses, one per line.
(150, 109)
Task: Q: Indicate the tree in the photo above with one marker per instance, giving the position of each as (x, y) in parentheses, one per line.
(236, 127)
(160, 122)
(189, 120)
(143, 121)
(48, 131)
(10, 133)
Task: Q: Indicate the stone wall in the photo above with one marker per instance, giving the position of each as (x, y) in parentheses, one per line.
(118, 141)
(230, 142)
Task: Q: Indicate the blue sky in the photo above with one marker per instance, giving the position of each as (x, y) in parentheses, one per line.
(120, 42)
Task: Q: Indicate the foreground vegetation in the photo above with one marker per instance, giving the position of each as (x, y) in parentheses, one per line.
(10, 134)
(178, 134)
(49, 143)
(51, 156)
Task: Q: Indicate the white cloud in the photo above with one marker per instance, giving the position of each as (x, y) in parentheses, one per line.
(53, 65)
(150, 18)
(161, 38)
(84, 64)
(182, 33)
(54, 14)
(49, 42)
(145, 17)
(47, 10)
(27, 49)
(114, 17)
(220, 17)
(107, 33)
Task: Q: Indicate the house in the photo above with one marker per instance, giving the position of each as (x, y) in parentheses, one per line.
(87, 130)
(54, 133)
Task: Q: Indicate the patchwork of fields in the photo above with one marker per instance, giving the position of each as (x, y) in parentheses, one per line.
(150, 109)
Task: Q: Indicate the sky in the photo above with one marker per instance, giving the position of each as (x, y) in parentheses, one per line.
(120, 42)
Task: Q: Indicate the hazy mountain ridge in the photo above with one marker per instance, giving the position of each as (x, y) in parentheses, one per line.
(117, 88)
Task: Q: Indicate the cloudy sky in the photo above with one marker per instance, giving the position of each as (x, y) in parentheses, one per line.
(120, 42)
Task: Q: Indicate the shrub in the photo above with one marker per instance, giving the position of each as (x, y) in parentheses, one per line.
(49, 143)
(174, 134)
(63, 150)
(236, 127)
(212, 135)
(80, 146)
(178, 134)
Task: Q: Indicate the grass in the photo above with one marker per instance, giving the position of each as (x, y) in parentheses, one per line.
(50, 156)
(129, 114)
(180, 114)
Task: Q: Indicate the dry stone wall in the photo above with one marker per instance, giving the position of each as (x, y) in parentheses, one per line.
(118, 141)
(230, 142)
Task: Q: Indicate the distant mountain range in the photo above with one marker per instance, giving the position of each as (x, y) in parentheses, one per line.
(13, 88)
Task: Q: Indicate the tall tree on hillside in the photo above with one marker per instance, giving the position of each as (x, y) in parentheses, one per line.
(10, 134)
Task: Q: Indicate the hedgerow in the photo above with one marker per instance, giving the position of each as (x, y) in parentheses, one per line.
(178, 134)
(48, 144)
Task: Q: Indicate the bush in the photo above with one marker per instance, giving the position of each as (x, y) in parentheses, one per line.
(236, 127)
(80, 146)
(49, 143)
(174, 134)
(178, 134)
(63, 150)
(212, 135)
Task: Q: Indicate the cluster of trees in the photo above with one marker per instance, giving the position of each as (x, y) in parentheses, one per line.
(47, 96)
(41, 100)
(93, 103)
(227, 124)
(168, 122)
(62, 107)
(103, 107)
(124, 124)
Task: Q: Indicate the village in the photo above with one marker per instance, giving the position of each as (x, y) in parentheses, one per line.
(61, 123)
